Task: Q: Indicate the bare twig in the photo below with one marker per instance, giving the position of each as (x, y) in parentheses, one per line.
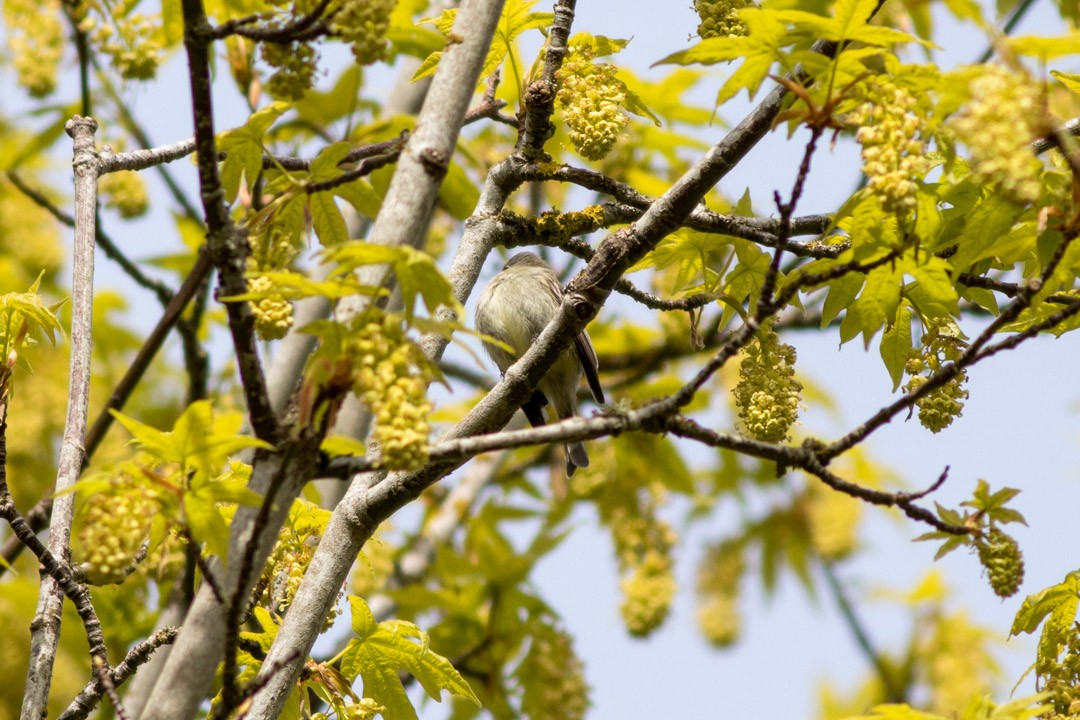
(46, 633)
(539, 100)
(87, 700)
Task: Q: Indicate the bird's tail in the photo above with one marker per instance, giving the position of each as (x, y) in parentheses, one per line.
(575, 457)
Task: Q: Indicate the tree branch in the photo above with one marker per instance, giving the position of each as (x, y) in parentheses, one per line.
(228, 246)
(85, 702)
(405, 213)
(45, 635)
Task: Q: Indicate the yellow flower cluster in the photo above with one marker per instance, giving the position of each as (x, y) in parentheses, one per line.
(940, 407)
(296, 63)
(363, 24)
(131, 40)
(285, 568)
(833, 520)
(362, 709)
(1059, 677)
(115, 523)
(998, 126)
(647, 593)
(125, 192)
(1000, 555)
(592, 100)
(718, 580)
(273, 246)
(720, 18)
(36, 42)
(955, 655)
(273, 312)
(388, 377)
(767, 395)
(643, 544)
(553, 677)
(893, 155)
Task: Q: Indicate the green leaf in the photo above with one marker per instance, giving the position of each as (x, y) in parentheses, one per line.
(896, 344)
(990, 221)
(294, 286)
(842, 292)
(380, 650)
(410, 37)
(200, 439)
(1036, 607)
(325, 166)
(934, 293)
(243, 148)
(362, 196)
(759, 49)
(850, 23)
(204, 520)
(23, 315)
(1045, 48)
(875, 305)
(338, 445)
(416, 272)
(515, 20)
(326, 219)
(342, 100)
(1070, 80)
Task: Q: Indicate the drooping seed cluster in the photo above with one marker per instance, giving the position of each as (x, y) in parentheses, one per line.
(939, 407)
(893, 155)
(125, 192)
(954, 654)
(1059, 675)
(272, 248)
(555, 687)
(115, 523)
(36, 41)
(643, 543)
(273, 312)
(388, 377)
(290, 559)
(363, 24)
(295, 64)
(718, 582)
(833, 521)
(592, 100)
(720, 18)
(130, 39)
(1000, 555)
(767, 395)
(362, 709)
(998, 126)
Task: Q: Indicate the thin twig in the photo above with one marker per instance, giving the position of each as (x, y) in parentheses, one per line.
(84, 703)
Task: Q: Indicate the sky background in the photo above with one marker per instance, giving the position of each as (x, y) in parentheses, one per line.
(1019, 429)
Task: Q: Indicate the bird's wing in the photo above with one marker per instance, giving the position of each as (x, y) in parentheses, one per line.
(590, 365)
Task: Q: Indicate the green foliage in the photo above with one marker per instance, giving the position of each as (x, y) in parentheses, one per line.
(22, 317)
(516, 19)
(380, 650)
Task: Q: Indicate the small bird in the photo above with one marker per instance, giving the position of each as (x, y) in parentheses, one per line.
(515, 308)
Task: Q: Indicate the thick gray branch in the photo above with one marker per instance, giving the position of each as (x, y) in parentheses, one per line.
(403, 219)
